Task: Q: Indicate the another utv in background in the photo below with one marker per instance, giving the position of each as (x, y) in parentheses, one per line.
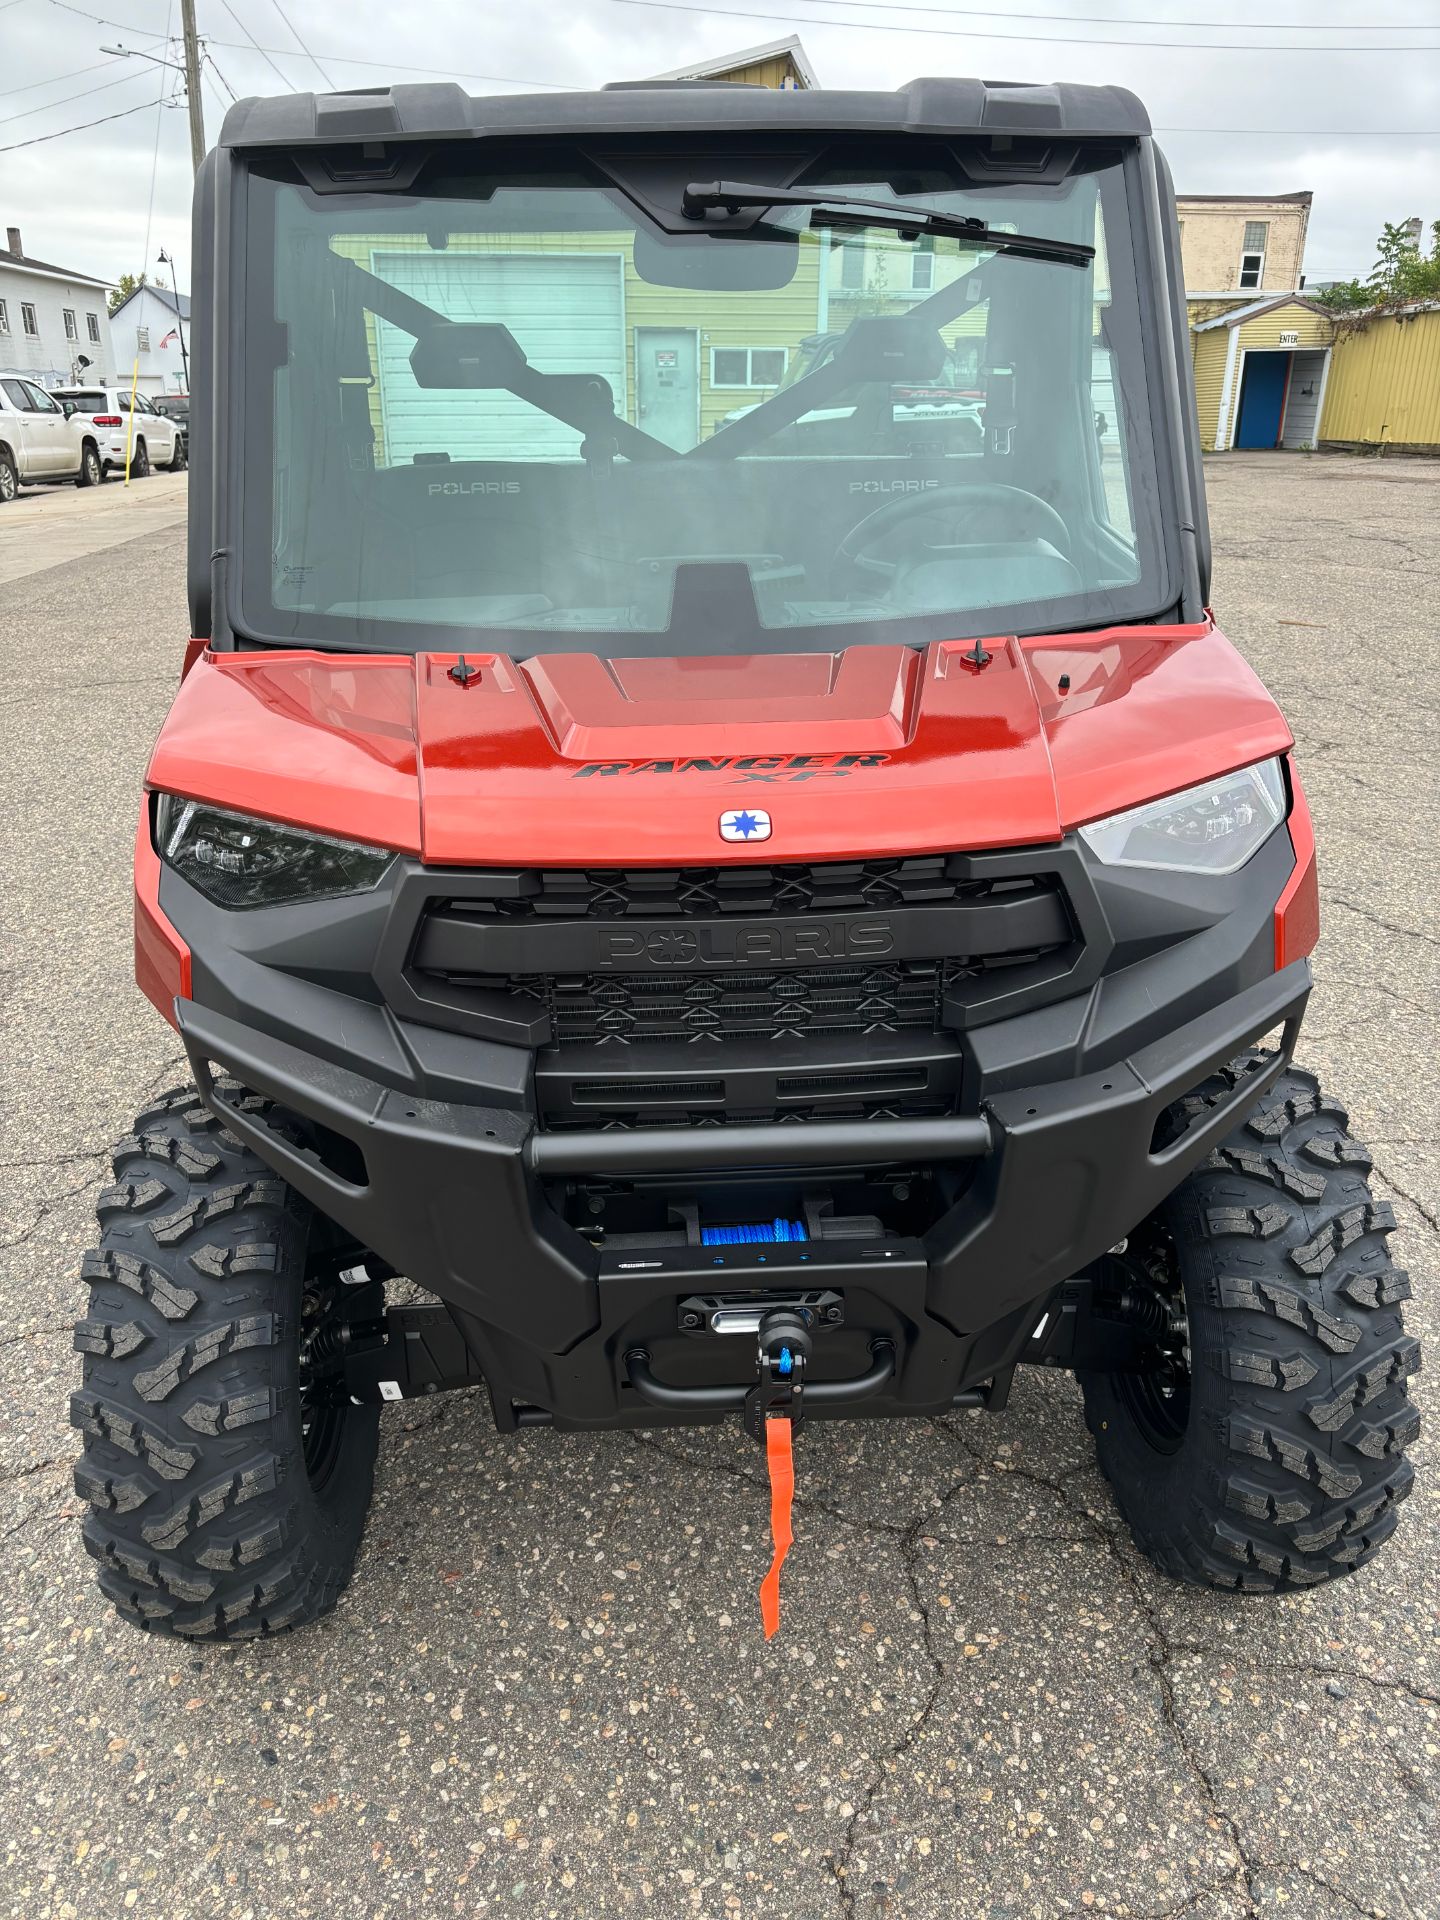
(745, 927)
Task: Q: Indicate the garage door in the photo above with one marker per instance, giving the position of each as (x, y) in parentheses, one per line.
(567, 312)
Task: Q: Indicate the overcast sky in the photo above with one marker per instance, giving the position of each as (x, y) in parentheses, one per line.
(82, 200)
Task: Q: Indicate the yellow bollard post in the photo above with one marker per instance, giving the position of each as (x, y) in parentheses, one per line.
(130, 416)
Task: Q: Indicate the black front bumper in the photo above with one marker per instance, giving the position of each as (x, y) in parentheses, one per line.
(450, 1193)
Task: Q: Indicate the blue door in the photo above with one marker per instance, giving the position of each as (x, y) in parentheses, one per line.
(1262, 399)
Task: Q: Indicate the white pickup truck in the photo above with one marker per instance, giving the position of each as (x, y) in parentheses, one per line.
(40, 440)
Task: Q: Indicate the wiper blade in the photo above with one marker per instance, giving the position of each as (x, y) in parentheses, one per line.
(702, 196)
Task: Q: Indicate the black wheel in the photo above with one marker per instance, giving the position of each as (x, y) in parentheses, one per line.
(9, 477)
(90, 474)
(228, 1474)
(1262, 1448)
(139, 461)
(180, 459)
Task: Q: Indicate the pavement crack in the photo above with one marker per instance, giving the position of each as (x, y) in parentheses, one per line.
(47, 1207)
(33, 1467)
(1376, 920)
(37, 1333)
(1160, 1654)
(908, 1735)
(1431, 1219)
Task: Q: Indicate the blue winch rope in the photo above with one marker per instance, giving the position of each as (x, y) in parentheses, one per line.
(768, 1230)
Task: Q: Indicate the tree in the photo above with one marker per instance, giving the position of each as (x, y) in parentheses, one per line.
(1402, 273)
(127, 284)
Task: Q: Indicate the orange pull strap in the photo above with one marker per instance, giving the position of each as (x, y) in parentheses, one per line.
(781, 1464)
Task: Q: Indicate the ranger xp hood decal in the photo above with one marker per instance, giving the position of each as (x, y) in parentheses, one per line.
(743, 767)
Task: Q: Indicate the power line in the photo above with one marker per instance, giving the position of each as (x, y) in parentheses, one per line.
(1109, 20)
(303, 48)
(283, 78)
(1021, 39)
(74, 74)
(121, 26)
(84, 127)
(559, 86)
(154, 174)
(214, 67)
(135, 73)
(396, 66)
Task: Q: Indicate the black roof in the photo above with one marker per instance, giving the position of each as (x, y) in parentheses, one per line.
(444, 110)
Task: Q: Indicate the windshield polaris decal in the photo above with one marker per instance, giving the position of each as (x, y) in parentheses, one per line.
(746, 767)
(450, 488)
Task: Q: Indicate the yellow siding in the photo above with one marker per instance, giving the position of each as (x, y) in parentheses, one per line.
(1384, 387)
(769, 73)
(1210, 351)
(720, 319)
(1314, 329)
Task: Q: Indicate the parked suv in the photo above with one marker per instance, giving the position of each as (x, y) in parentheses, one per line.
(40, 439)
(157, 440)
(176, 407)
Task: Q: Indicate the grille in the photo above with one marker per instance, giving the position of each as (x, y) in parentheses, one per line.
(628, 1118)
(708, 892)
(738, 1003)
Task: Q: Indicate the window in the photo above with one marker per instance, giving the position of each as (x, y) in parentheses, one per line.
(40, 401)
(4, 317)
(14, 391)
(72, 332)
(92, 327)
(28, 320)
(922, 265)
(1252, 253)
(852, 263)
(747, 366)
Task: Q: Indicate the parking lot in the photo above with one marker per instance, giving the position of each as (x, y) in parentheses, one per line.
(546, 1692)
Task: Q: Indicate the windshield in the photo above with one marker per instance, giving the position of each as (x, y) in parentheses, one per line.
(511, 408)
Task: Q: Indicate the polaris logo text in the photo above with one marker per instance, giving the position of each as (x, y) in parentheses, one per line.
(892, 486)
(744, 946)
(745, 769)
(452, 487)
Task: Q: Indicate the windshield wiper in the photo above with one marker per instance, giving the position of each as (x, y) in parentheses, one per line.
(701, 196)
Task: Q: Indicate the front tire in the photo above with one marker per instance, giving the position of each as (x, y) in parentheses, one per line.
(180, 459)
(140, 462)
(1265, 1449)
(91, 473)
(228, 1476)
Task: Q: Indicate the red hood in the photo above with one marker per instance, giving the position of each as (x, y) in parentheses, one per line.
(569, 760)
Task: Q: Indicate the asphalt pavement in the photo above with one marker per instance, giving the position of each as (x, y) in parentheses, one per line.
(546, 1692)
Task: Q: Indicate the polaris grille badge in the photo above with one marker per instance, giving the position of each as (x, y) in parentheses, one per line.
(744, 825)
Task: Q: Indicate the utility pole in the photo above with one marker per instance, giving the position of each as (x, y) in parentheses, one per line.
(192, 84)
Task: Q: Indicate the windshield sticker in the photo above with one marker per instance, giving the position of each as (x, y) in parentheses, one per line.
(748, 767)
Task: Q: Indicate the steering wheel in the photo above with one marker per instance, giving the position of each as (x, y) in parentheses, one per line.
(977, 509)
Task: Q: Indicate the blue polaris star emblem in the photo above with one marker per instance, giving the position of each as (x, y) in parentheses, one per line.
(748, 823)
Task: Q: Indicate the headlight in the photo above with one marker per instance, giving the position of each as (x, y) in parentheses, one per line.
(1212, 828)
(240, 862)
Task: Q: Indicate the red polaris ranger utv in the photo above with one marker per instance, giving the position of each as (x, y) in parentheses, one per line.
(748, 900)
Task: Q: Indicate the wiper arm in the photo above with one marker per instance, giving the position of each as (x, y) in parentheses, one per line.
(701, 197)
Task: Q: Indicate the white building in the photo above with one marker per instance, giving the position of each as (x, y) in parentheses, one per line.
(152, 327)
(53, 323)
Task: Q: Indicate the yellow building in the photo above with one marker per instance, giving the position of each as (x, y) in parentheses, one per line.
(779, 63)
(1260, 373)
(1385, 389)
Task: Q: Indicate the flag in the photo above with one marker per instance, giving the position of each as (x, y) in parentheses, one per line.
(172, 335)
